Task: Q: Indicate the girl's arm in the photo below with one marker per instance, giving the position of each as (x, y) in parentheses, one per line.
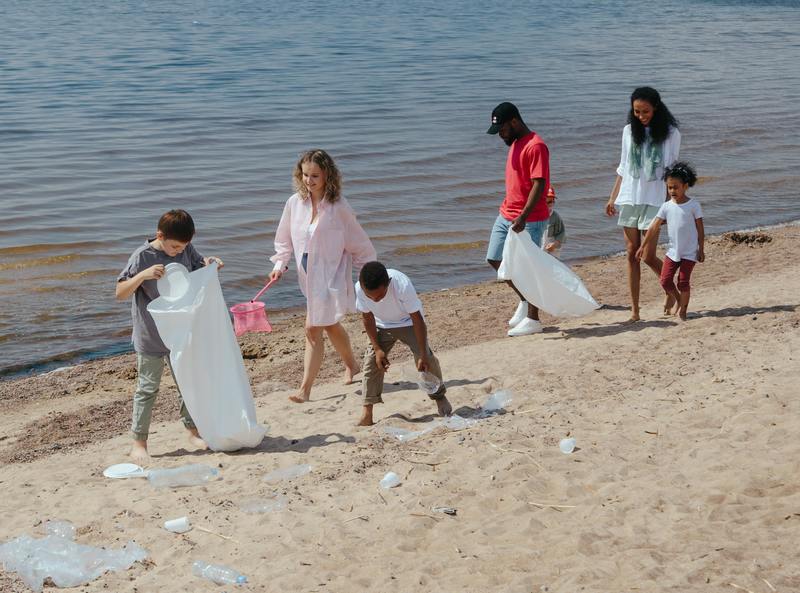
(623, 165)
(649, 237)
(283, 243)
(356, 241)
(701, 240)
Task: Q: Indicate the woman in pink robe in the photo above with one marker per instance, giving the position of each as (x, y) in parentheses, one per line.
(319, 229)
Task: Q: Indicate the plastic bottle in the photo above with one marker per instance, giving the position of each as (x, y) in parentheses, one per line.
(187, 475)
(217, 573)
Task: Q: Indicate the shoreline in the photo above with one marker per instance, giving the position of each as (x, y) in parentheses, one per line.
(685, 461)
(60, 363)
(468, 315)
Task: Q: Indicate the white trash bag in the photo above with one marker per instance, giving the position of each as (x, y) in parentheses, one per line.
(193, 322)
(542, 279)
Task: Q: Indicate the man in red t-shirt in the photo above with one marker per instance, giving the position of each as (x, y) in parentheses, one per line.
(524, 207)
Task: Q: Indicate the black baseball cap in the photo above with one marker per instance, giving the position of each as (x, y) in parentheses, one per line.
(502, 113)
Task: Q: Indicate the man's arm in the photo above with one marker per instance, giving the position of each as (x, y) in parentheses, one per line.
(421, 333)
(372, 333)
(537, 189)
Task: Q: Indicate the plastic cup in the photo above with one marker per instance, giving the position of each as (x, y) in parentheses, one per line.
(179, 525)
(390, 480)
(567, 446)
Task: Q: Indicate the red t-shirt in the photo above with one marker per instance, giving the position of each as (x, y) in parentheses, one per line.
(528, 158)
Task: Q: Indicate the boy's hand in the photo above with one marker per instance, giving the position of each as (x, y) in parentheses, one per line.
(423, 365)
(701, 255)
(153, 272)
(550, 247)
(382, 360)
(275, 275)
(208, 260)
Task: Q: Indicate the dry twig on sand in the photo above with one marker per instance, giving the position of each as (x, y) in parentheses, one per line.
(528, 453)
(552, 506)
(227, 537)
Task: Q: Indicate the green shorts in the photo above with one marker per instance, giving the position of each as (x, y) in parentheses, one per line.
(637, 216)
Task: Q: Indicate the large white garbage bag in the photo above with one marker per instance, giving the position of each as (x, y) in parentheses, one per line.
(193, 323)
(542, 279)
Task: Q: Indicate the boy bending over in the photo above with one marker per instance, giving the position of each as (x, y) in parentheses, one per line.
(172, 243)
(392, 311)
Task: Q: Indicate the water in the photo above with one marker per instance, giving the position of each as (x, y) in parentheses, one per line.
(115, 112)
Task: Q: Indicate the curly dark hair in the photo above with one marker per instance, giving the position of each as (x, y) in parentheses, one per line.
(662, 120)
(683, 171)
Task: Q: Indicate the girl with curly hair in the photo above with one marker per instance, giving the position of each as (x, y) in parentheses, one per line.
(650, 143)
(319, 230)
(684, 219)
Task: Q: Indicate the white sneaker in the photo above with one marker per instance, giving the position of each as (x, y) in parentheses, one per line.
(520, 314)
(525, 327)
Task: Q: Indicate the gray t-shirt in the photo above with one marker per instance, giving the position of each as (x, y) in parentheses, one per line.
(145, 335)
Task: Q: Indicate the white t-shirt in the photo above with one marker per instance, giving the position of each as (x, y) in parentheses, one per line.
(681, 228)
(641, 191)
(393, 310)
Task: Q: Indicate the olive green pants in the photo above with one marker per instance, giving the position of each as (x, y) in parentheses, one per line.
(149, 370)
(372, 384)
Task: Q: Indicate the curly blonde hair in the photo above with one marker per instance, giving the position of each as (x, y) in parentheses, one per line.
(333, 179)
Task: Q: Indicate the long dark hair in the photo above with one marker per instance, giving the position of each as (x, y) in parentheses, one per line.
(662, 120)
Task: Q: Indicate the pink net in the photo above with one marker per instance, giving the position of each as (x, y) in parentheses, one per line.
(250, 317)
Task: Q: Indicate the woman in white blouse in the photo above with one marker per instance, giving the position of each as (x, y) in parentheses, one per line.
(650, 143)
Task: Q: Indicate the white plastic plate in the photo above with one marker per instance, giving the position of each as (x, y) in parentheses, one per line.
(124, 470)
(174, 283)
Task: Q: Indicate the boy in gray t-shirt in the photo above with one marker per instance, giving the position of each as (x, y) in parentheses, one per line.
(172, 244)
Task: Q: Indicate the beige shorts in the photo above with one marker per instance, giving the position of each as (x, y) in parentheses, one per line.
(637, 216)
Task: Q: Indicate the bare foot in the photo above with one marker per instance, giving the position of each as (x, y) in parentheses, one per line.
(633, 319)
(670, 305)
(682, 313)
(299, 398)
(195, 440)
(350, 373)
(366, 417)
(139, 453)
(444, 407)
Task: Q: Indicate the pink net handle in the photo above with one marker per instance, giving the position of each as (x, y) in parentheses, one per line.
(263, 290)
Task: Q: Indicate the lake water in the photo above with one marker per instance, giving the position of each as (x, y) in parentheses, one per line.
(113, 112)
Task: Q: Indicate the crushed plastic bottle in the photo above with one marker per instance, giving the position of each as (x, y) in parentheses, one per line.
(456, 422)
(58, 558)
(217, 573)
(404, 435)
(63, 529)
(288, 473)
(255, 506)
(193, 474)
(390, 480)
(429, 383)
(567, 446)
(496, 402)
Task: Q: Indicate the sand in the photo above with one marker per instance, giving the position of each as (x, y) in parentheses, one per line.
(686, 475)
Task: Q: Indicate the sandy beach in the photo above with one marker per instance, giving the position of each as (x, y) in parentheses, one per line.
(686, 475)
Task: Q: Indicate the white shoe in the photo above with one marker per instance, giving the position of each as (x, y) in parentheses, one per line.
(525, 327)
(520, 314)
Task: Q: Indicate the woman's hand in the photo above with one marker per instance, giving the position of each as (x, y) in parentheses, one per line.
(275, 275)
(610, 209)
